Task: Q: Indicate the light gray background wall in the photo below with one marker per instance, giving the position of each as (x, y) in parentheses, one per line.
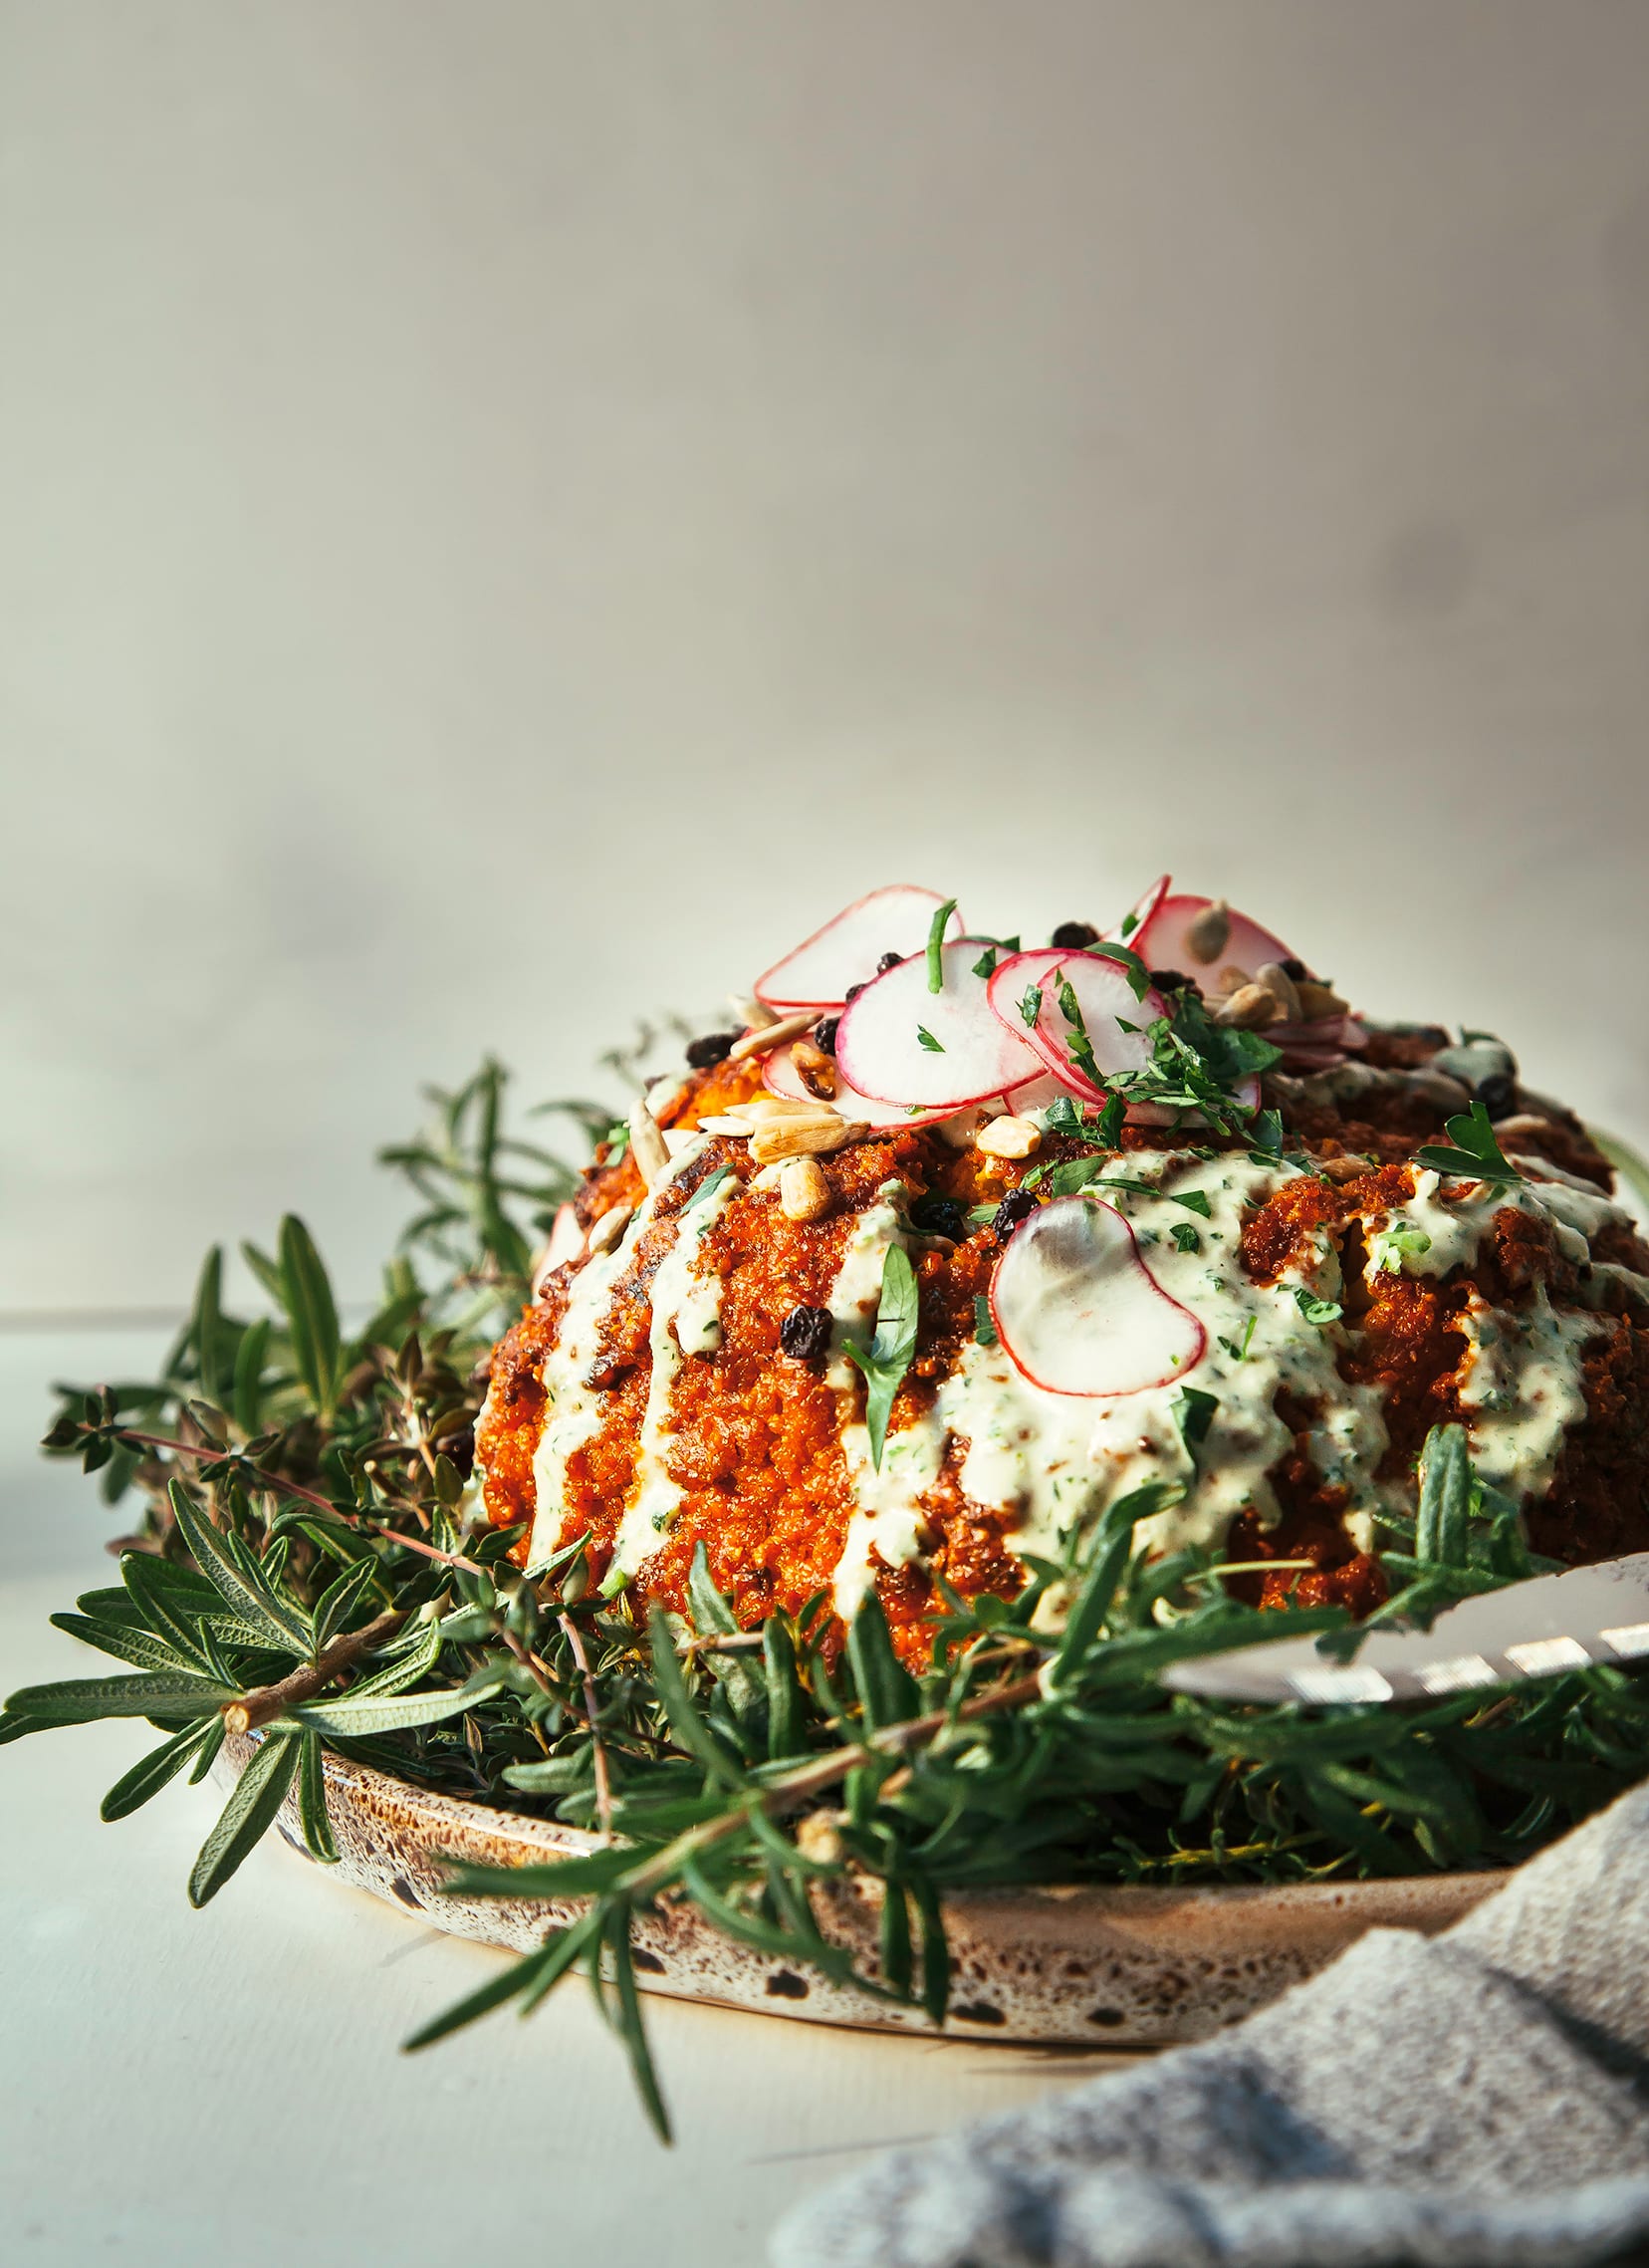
(510, 512)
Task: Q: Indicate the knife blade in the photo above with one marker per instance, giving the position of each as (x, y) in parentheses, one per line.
(1528, 1629)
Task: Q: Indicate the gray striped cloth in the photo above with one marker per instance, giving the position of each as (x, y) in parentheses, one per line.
(1481, 2097)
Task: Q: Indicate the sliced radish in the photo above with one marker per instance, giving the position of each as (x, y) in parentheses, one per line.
(1163, 941)
(1037, 1094)
(1128, 928)
(1105, 999)
(1013, 979)
(973, 1055)
(781, 1077)
(845, 952)
(1007, 992)
(1078, 1310)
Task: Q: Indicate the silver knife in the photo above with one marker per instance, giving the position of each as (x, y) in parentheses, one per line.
(1496, 1637)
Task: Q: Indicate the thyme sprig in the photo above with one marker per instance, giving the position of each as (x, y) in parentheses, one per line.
(307, 1570)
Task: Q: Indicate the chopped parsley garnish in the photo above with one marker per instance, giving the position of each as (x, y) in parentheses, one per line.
(977, 1215)
(1319, 1311)
(1107, 1128)
(1131, 923)
(1392, 1246)
(1065, 1181)
(1129, 962)
(1266, 1137)
(1029, 1006)
(936, 945)
(933, 1046)
(1238, 1350)
(1079, 1046)
(986, 964)
(1185, 1236)
(1474, 1152)
(618, 1141)
(1194, 1413)
(708, 1186)
(887, 1358)
(1082, 1173)
(1194, 1065)
(985, 1330)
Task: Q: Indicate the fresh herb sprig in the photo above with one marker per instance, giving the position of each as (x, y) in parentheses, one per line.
(888, 1357)
(936, 945)
(1472, 1149)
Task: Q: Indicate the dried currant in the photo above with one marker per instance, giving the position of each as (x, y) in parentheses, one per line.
(1013, 1208)
(939, 1216)
(804, 1334)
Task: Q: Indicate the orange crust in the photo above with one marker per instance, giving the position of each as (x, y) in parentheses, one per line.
(755, 1448)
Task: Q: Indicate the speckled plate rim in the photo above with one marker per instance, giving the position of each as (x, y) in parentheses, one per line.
(1062, 1964)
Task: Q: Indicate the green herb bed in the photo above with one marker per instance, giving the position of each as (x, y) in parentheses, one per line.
(304, 1567)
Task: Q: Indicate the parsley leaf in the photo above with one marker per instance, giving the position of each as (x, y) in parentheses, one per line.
(1319, 1311)
(708, 1186)
(936, 945)
(1265, 1139)
(1194, 1201)
(1194, 1413)
(1075, 1174)
(1132, 967)
(1029, 1006)
(986, 964)
(1186, 1237)
(1476, 1151)
(1392, 1245)
(1239, 1350)
(933, 1046)
(984, 1329)
(887, 1358)
(1079, 1045)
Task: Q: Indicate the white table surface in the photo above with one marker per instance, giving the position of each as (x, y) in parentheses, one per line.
(224, 2087)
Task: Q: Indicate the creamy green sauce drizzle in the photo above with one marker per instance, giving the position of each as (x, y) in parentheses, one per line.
(686, 1319)
(573, 1410)
(1055, 1461)
(1523, 1385)
(1050, 1463)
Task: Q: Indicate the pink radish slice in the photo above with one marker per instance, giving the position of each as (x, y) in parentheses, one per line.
(845, 952)
(1127, 930)
(1035, 1095)
(881, 1053)
(1017, 979)
(781, 1077)
(1163, 942)
(1078, 1310)
(1106, 1001)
